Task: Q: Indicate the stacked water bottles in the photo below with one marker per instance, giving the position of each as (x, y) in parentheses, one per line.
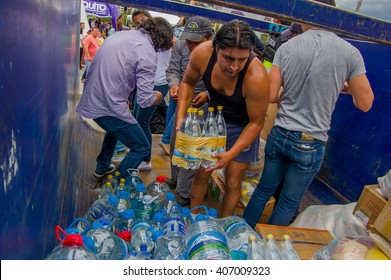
(199, 139)
(137, 222)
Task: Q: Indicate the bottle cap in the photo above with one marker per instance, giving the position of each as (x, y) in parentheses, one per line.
(269, 236)
(161, 179)
(143, 248)
(170, 196)
(124, 235)
(219, 107)
(252, 237)
(128, 214)
(73, 239)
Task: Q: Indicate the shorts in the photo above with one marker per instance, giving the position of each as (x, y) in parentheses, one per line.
(249, 154)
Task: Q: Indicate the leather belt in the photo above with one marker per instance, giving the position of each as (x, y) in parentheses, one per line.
(306, 137)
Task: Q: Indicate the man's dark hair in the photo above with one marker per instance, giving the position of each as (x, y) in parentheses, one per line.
(160, 31)
(137, 12)
(235, 34)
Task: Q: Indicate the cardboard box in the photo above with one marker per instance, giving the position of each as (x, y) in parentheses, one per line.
(369, 205)
(305, 241)
(383, 222)
(216, 193)
(267, 212)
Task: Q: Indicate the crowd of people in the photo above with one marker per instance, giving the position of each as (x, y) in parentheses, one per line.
(198, 67)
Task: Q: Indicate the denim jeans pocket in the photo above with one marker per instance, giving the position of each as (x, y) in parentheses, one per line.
(270, 148)
(304, 157)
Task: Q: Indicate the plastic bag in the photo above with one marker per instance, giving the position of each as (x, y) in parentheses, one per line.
(338, 219)
(385, 184)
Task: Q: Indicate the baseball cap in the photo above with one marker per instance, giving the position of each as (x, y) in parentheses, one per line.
(294, 28)
(196, 28)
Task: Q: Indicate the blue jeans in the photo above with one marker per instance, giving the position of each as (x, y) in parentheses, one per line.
(131, 135)
(169, 121)
(290, 159)
(144, 116)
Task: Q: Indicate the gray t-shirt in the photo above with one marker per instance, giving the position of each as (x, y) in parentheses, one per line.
(314, 67)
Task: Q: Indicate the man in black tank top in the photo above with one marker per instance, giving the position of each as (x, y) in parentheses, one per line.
(241, 85)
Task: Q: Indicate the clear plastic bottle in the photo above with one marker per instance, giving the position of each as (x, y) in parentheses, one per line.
(221, 130)
(144, 206)
(170, 247)
(168, 202)
(288, 252)
(210, 133)
(237, 231)
(272, 250)
(180, 154)
(174, 224)
(114, 180)
(123, 194)
(206, 240)
(255, 249)
(119, 152)
(158, 188)
(186, 216)
(132, 181)
(193, 130)
(142, 236)
(104, 191)
(158, 220)
(102, 208)
(201, 119)
(72, 248)
(108, 245)
(124, 221)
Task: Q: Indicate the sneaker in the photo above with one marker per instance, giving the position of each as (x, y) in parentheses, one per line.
(145, 166)
(165, 147)
(171, 183)
(182, 201)
(110, 170)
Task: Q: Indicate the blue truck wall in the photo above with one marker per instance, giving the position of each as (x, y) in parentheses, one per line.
(39, 53)
(40, 148)
(359, 146)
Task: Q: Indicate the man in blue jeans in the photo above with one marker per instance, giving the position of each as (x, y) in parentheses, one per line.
(125, 62)
(312, 81)
(144, 115)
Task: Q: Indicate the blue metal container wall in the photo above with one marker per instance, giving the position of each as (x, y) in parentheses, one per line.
(39, 53)
(40, 148)
(359, 146)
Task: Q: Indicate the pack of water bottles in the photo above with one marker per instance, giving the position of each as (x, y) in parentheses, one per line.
(132, 221)
(200, 138)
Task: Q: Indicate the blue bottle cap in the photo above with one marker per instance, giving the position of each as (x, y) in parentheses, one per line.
(143, 247)
(170, 196)
(140, 187)
(97, 224)
(156, 233)
(128, 214)
(212, 212)
(123, 194)
(113, 200)
(201, 217)
(158, 217)
(185, 212)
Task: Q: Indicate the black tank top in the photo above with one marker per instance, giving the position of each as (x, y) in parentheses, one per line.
(234, 106)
